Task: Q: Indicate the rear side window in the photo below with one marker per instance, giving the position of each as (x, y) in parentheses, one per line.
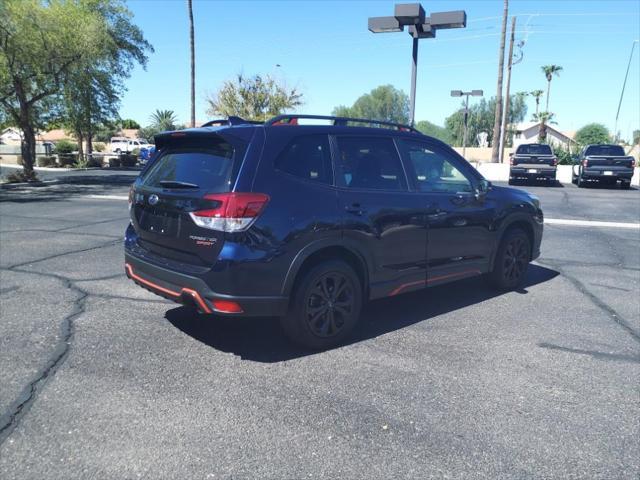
(208, 168)
(534, 149)
(371, 163)
(307, 157)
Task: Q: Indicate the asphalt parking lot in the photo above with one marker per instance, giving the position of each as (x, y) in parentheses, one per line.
(101, 379)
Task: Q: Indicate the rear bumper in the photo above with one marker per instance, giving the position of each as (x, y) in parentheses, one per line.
(533, 172)
(189, 290)
(603, 172)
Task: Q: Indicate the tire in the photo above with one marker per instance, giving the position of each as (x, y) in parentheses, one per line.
(318, 318)
(580, 182)
(625, 185)
(512, 260)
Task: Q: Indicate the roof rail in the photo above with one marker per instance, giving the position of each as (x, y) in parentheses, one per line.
(291, 119)
(232, 120)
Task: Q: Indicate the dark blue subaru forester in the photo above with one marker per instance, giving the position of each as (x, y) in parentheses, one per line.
(308, 221)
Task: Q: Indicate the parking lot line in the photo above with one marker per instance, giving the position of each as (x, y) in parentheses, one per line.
(591, 223)
(109, 197)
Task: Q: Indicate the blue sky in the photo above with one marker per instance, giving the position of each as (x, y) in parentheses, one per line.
(325, 49)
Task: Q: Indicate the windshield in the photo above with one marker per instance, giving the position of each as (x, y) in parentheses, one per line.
(605, 150)
(534, 149)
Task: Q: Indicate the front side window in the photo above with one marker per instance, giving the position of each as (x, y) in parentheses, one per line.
(307, 157)
(434, 171)
(370, 163)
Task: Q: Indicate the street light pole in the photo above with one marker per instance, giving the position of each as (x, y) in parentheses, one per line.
(414, 74)
(465, 122)
(412, 15)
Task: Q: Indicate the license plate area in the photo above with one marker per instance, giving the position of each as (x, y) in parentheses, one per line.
(608, 173)
(532, 170)
(160, 223)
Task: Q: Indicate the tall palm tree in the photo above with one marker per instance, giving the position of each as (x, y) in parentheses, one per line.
(193, 64)
(544, 118)
(549, 72)
(537, 94)
(164, 120)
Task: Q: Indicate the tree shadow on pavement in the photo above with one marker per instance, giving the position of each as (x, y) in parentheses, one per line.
(262, 340)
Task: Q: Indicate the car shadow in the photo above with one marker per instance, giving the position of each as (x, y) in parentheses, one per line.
(607, 186)
(536, 183)
(262, 340)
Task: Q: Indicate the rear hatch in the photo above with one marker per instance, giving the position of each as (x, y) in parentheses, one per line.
(534, 155)
(191, 174)
(607, 156)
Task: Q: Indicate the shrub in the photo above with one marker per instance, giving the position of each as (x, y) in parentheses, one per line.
(67, 159)
(564, 157)
(99, 146)
(20, 176)
(135, 152)
(129, 160)
(114, 162)
(46, 161)
(65, 146)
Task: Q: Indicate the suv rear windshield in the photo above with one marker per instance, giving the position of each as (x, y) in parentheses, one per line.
(534, 149)
(605, 150)
(209, 168)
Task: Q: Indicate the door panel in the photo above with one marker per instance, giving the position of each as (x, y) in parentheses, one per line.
(380, 215)
(459, 226)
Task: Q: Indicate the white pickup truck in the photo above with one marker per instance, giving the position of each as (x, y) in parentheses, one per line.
(127, 145)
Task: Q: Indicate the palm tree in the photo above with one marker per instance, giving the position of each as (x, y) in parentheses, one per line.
(193, 64)
(164, 120)
(537, 94)
(549, 71)
(544, 118)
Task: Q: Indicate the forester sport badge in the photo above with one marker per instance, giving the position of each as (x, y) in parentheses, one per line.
(153, 199)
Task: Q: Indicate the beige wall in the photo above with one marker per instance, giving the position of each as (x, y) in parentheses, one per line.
(478, 154)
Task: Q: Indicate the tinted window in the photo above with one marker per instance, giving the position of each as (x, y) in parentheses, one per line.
(307, 157)
(534, 149)
(434, 171)
(605, 150)
(210, 168)
(369, 162)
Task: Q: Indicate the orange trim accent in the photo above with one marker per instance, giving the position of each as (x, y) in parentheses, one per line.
(195, 295)
(434, 279)
(129, 269)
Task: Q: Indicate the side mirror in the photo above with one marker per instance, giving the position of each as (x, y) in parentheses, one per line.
(483, 187)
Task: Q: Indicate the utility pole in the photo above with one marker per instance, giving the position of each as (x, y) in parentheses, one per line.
(615, 128)
(505, 117)
(495, 141)
(193, 64)
(460, 93)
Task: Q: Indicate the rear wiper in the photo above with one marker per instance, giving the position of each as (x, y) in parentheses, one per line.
(176, 184)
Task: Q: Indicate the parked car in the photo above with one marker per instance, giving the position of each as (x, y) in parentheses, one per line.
(307, 222)
(605, 164)
(127, 145)
(533, 161)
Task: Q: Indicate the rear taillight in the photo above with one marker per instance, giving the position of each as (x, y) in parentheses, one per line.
(554, 162)
(585, 163)
(633, 163)
(513, 161)
(234, 212)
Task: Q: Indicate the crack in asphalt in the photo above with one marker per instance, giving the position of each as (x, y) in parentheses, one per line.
(63, 254)
(10, 419)
(63, 232)
(597, 301)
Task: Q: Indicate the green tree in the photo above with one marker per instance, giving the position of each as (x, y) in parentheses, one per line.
(537, 94)
(545, 118)
(384, 103)
(253, 98)
(129, 123)
(434, 130)
(44, 46)
(593, 133)
(549, 72)
(481, 119)
(636, 137)
(164, 120)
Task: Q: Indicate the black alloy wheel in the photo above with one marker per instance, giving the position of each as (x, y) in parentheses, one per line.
(512, 260)
(325, 306)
